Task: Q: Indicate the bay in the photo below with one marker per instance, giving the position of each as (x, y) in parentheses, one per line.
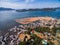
(7, 17)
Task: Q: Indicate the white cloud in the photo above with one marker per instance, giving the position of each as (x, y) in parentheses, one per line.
(5, 0)
(28, 1)
(16, 5)
(12, 5)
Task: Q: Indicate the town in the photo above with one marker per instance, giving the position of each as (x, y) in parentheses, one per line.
(33, 31)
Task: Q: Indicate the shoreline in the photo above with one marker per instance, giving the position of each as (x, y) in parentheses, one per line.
(32, 19)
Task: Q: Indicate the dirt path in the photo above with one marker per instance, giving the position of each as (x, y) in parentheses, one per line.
(40, 35)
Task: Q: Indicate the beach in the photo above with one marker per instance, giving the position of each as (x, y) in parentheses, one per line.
(32, 19)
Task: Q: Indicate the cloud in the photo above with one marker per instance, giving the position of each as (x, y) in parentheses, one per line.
(20, 4)
(12, 0)
(4, 0)
(28, 1)
(12, 5)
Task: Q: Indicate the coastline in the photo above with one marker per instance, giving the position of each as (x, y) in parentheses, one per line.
(21, 31)
(32, 19)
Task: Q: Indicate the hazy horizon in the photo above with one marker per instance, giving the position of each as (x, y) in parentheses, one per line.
(26, 4)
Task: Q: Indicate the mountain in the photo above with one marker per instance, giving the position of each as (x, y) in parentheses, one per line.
(2, 8)
(58, 8)
(37, 9)
(43, 9)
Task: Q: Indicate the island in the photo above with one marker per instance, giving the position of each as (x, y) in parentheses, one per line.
(4, 9)
(37, 9)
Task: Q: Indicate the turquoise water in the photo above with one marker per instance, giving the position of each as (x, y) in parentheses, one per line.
(7, 16)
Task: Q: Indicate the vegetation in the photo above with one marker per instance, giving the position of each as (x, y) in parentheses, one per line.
(54, 29)
(37, 40)
(43, 9)
(42, 29)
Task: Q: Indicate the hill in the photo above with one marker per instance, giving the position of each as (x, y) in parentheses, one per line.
(2, 8)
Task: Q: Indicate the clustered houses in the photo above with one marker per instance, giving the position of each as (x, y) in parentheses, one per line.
(58, 24)
(44, 23)
(11, 37)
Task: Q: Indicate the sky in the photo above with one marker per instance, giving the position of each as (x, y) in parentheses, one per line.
(26, 4)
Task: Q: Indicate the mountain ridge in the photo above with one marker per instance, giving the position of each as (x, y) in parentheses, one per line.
(3, 8)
